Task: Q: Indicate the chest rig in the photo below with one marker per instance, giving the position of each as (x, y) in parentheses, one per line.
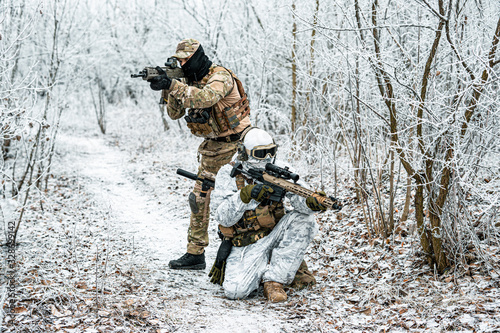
(211, 122)
(255, 224)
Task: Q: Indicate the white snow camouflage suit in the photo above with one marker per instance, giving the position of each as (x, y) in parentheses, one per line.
(277, 256)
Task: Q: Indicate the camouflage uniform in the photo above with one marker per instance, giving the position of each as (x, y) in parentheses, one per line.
(277, 255)
(217, 88)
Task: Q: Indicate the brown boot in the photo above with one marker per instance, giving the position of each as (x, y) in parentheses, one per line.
(303, 278)
(274, 292)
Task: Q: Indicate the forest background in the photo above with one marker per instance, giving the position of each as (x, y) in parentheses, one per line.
(392, 105)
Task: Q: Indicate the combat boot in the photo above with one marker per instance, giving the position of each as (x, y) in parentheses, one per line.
(274, 292)
(303, 278)
(189, 261)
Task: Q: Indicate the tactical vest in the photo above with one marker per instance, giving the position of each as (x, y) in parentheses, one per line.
(255, 224)
(211, 122)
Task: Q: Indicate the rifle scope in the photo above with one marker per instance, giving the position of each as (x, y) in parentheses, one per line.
(282, 172)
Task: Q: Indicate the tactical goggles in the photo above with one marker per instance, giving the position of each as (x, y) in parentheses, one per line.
(262, 152)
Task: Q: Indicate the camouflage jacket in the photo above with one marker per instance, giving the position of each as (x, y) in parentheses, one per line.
(217, 87)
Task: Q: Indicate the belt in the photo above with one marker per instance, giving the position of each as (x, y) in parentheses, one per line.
(229, 138)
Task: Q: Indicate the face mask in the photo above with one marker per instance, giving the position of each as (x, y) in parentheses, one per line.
(197, 66)
(260, 164)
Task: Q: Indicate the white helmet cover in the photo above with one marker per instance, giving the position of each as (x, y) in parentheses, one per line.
(257, 137)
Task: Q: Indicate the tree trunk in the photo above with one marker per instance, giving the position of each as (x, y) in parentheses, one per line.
(294, 72)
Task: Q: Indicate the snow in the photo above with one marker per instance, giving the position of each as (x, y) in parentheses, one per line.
(93, 254)
(131, 210)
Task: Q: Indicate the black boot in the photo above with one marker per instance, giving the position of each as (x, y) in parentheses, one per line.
(189, 261)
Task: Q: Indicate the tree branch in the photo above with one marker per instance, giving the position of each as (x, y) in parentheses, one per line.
(478, 88)
(440, 15)
(448, 37)
(494, 45)
(423, 91)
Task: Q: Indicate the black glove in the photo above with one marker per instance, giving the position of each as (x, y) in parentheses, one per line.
(198, 116)
(337, 204)
(314, 204)
(219, 267)
(258, 192)
(161, 81)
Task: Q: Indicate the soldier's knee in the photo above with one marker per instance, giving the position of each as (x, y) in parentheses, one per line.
(308, 218)
(303, 219)
(306, 223)
(236, 289)
(235, 292)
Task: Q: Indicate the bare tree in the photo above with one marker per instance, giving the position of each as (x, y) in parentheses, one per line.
(434, 166)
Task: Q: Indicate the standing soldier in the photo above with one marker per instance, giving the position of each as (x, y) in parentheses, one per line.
(215, 107)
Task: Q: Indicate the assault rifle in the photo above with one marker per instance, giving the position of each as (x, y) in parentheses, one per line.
(171, 68)
(278, 179)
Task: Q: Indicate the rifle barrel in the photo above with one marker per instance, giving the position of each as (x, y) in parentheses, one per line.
(187, 174)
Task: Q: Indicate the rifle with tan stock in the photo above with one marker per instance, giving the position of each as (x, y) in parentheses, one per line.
(278, 179)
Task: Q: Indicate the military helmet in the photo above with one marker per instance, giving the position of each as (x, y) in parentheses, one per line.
(257, 144)
(186, 48)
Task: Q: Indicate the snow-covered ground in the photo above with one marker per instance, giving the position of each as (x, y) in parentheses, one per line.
(94, 252)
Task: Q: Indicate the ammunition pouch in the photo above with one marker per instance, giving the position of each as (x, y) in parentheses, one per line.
(202, 123)
(254, 225)
(250, 237)
(264, 217)
(198, 116)
(227, 232)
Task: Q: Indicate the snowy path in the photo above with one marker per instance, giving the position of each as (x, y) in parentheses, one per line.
(132, 210)
(158, 231)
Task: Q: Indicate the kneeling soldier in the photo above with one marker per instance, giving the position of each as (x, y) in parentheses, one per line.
(262, 242)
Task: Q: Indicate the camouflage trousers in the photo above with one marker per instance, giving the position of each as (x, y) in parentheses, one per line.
(276, 257)
(214, 154)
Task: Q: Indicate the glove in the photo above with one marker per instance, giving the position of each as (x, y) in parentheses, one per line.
(337, 204)
(198, 116)
(219, 267)
(258, 192)
(161, 81)
(314, 204)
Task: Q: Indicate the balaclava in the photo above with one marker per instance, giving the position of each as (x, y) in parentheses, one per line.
(197, 66)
